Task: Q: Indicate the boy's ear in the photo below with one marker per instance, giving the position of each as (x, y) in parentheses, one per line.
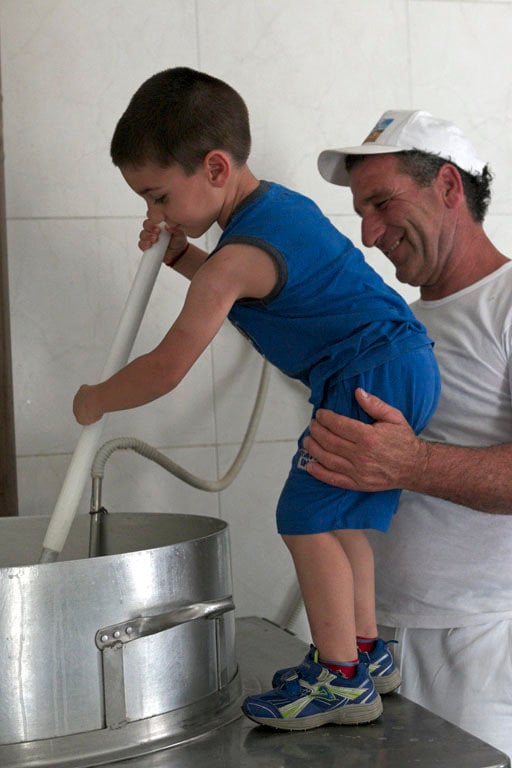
(218, 167)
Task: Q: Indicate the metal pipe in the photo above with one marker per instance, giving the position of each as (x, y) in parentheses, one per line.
(8, 485)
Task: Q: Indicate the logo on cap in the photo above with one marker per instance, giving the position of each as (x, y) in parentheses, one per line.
(378, 130)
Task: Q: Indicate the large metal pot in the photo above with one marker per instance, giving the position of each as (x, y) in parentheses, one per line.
(115, 655)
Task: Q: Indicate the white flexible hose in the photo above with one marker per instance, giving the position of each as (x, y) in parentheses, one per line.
(151, 453)
(79, 468)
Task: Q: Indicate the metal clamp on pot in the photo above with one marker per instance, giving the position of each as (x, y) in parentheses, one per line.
(111, 641)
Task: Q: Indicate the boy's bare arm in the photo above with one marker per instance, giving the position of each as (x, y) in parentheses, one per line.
(234, 272)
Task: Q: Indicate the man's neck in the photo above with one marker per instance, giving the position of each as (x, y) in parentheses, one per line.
(474, 258)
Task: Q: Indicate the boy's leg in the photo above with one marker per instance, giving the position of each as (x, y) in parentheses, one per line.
(321, 692)
(359, 553)
(325, 577)
(372, 650)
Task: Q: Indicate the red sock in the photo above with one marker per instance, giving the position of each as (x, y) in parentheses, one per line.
(343, 668)
(366, 643)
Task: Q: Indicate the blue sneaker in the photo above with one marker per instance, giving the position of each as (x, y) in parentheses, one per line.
(281, 674)
(381, 667)
(316, 697)
(380, 663)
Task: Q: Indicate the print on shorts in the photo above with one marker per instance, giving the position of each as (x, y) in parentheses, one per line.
(303, 459)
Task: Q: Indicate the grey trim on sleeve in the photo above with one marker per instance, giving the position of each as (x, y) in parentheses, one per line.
(282, 268)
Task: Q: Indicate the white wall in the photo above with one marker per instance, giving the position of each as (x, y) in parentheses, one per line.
(313, 75)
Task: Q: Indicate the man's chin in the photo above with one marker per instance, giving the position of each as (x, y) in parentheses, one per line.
(404, 277)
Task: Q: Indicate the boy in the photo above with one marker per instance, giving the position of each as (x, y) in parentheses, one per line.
(304, 295)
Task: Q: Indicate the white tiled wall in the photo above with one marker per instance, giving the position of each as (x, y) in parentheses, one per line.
(313, 75)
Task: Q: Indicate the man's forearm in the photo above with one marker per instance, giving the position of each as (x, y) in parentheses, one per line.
(479, 478)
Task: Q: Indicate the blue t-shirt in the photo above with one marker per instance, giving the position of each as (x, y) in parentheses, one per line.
(330, 314)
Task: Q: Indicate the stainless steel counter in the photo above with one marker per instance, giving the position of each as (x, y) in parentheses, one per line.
(405, 736)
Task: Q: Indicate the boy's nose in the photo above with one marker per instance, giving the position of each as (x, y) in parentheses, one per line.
(153, 214)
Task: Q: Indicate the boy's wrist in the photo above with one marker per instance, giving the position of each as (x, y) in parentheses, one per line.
(180, 255)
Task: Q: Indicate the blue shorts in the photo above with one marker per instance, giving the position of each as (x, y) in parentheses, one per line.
(410, 383)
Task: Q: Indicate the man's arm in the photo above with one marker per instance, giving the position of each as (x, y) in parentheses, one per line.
(387, 454)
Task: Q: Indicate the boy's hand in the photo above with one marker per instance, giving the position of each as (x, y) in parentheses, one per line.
(177, 245)
(84, 408)
(150, 234)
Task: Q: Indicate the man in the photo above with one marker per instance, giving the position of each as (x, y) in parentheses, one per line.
(444, 571)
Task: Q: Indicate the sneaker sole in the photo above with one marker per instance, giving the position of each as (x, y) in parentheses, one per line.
(387, 683)
(351, 714)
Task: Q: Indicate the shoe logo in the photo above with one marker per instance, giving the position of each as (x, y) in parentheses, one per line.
(337, 695)
(323, 693)
(294, 708)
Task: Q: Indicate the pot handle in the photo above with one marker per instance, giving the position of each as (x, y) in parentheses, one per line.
(126, 631)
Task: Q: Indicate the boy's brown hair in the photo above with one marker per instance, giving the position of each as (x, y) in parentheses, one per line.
(178, 116)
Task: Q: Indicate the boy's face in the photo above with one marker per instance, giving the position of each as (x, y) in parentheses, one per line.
(189, 202)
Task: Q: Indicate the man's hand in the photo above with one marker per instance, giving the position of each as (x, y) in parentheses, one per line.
(365, 457)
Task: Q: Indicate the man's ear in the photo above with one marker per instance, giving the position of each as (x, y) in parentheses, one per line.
(217, 165)
(450, 185)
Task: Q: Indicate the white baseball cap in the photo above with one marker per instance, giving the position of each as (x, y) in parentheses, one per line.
(400, 130)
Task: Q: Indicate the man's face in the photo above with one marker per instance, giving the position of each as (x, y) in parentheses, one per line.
(402, 219)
